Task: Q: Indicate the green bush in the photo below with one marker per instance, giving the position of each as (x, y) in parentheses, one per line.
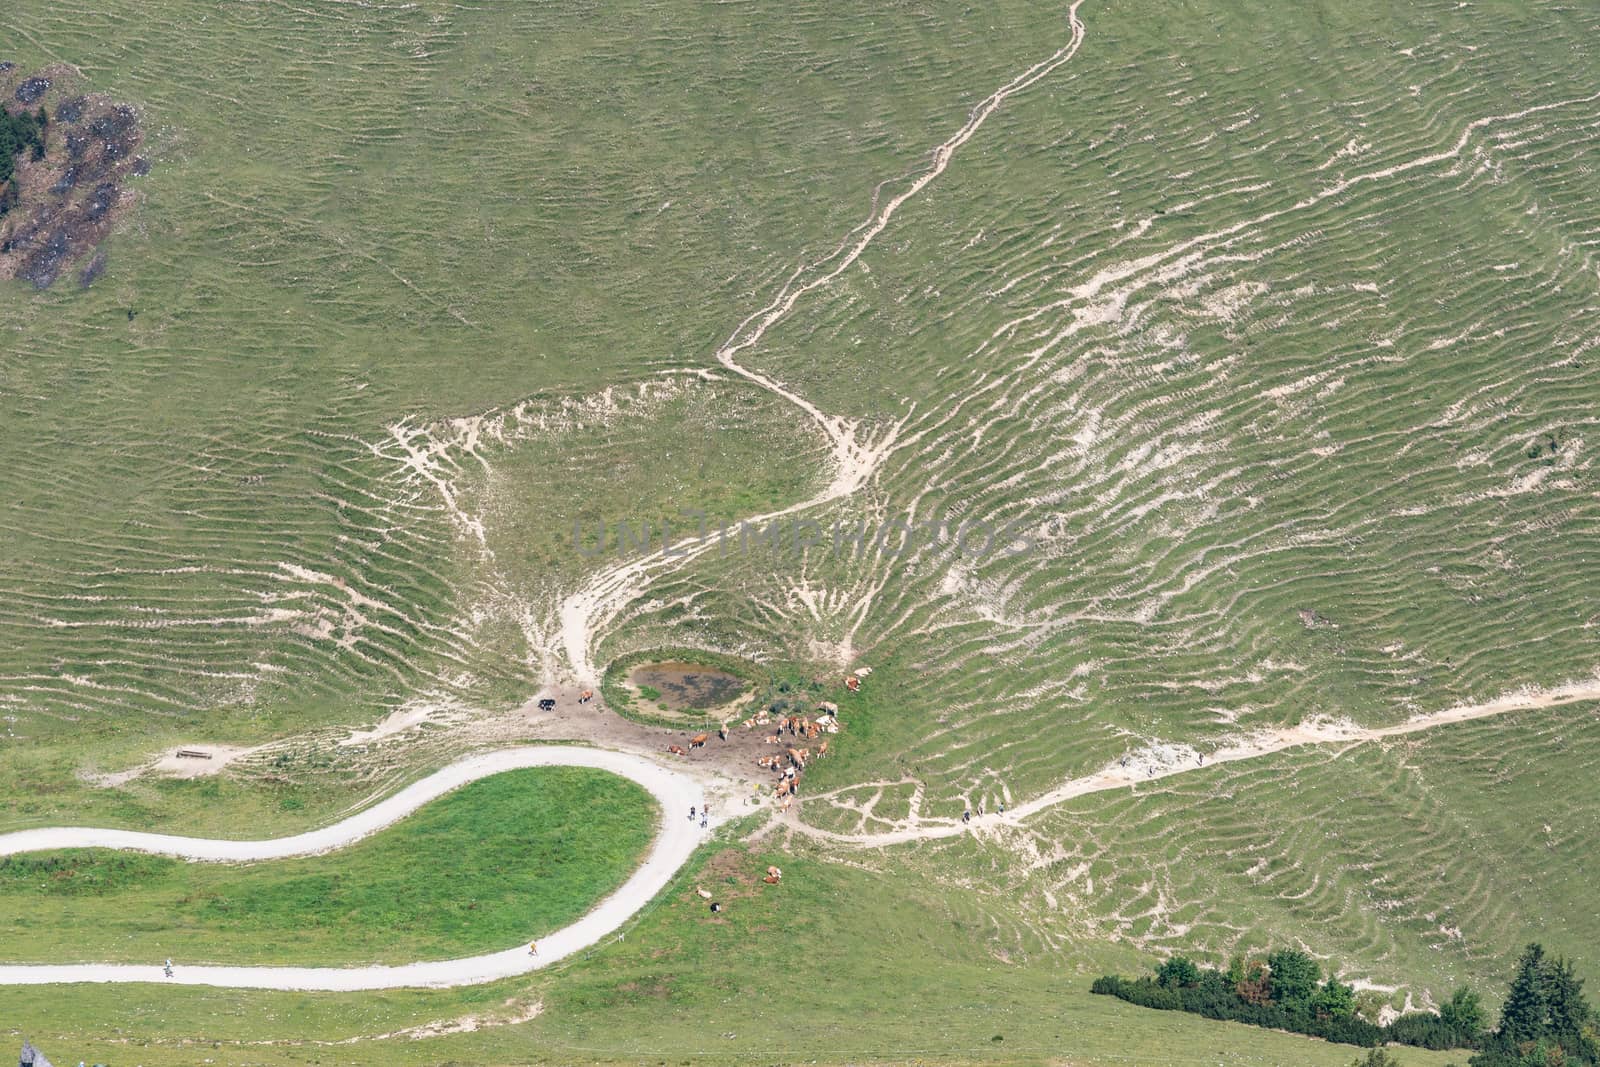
(1294, 977)
(1334, 1000)
(1295, 1002)
(1378, 1057)
(1178, 971)
(18, 133)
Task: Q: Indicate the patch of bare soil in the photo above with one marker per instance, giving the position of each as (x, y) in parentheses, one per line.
(55, 211)
(513, 1012)
(197, 761)
(734, 760)
(731, 875)
(186, 761)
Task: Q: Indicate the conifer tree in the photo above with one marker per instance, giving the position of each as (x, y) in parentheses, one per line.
(1567, 1010)
(1523, 1016)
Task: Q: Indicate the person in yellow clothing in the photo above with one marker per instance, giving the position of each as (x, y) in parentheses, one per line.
(533, 948)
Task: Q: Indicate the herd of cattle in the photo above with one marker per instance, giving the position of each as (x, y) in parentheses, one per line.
(792, 732)
(790, 764)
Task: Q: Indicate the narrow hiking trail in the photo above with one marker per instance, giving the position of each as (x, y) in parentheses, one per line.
(1255, 746)
(586, 612)
(676, 840)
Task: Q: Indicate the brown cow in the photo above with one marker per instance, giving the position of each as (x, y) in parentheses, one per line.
(698, 740)
(853, 684)
(772, 739)
(812, 730)
(586, 696)
(676, 750)
(796, 757)
(781, 790)
(822, 749)
(770, 880)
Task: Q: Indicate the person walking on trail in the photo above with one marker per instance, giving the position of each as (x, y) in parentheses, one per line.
(704, 822)
(533, 948)
(167, 968)
(691, 813)
(966, 816)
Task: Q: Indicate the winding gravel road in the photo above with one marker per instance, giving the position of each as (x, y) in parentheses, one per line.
(676, 840)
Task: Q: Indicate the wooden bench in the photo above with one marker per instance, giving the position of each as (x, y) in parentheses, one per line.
(192, 753)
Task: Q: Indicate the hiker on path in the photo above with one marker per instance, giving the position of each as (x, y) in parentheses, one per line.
(533, 948)
(966, 816)
(691, 813)
(167, 968)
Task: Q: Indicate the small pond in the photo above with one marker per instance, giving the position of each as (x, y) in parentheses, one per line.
(687, 685)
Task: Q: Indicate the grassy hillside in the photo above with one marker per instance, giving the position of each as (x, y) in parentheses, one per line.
(1269, 328)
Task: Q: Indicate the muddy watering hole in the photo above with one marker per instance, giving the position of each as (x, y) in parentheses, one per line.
(686, 685)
